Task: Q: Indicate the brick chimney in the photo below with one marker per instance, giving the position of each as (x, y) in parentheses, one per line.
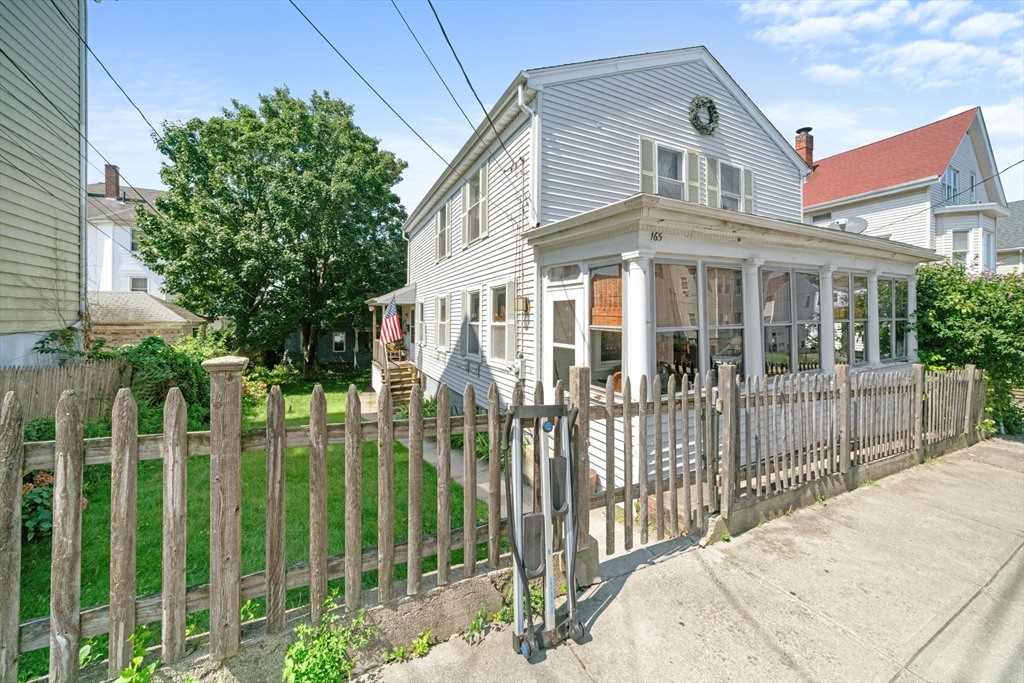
(805, 145)
(112, 179)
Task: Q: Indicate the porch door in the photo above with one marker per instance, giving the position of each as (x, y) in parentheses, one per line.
(564, 333)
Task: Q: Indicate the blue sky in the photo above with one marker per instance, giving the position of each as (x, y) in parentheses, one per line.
(855, 71)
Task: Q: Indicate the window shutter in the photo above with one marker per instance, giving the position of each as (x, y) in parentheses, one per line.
(692, 178)
(465, 223)
(748, 191)
(437, 233)
(483, 200)
(648, 177)
(448, 325)
(510, 323)
(712, 186)
(464, 345)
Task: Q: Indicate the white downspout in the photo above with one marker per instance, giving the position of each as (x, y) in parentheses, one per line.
(534, 160)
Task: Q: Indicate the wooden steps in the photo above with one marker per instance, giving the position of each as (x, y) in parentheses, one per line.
(404, 376)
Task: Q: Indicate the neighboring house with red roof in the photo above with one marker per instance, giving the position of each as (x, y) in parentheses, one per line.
(934, 187)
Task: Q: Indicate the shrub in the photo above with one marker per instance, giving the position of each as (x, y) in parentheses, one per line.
(325, 652)
(965, 317)
(157, 366)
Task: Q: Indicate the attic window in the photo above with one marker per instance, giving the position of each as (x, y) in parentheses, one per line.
(140, 284)
(951, 186)
(821, 217)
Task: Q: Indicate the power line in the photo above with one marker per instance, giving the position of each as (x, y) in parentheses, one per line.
(949, 199)
(470, 84)
(104, 66)
(74, 125)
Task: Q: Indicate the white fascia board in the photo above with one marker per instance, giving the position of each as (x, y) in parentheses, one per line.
(874, 194)
(980, 120)
(538, 78)
(990, 209)
(477, 144)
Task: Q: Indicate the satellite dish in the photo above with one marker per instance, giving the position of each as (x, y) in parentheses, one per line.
(854, 224)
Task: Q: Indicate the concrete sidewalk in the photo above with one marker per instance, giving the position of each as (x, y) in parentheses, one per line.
(917, 577)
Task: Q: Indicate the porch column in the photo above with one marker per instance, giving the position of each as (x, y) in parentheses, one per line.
(912, 314)
(827, 330)
(638, 319)
(753, 319)
(874, 353)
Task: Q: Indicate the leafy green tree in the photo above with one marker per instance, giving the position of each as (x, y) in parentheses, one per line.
(278, 218)
(967, 317)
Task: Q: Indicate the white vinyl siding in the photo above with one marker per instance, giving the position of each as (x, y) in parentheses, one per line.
(965, 162)
(485, 264)
(906, 217)
(42, 181)
(591, 129)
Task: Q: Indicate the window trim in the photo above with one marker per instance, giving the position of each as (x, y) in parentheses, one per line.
(467, 324)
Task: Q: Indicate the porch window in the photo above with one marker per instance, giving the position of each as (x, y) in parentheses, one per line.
(951, 186)
(670, 174)
(606, 325)
(885, 318)
(676, 294)
(441, 325)
(892, 319)
(860, 319)
(725, 316)
(807, 307)
(443, 220)
(841, 311)
(499, 321)
(961, 245)
(901, 306)
(777, 311)
(563, 339)
(339, 341)
(473, 323)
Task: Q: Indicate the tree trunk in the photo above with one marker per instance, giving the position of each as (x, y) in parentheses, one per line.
(310, 337)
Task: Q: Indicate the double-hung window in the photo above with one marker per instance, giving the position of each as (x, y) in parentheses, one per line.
(499, 321)
(668, 172)
(606, 325)
(135, 233)
(339, 341)
(951, 186)
(974, 189)
(961, 245)
(725, 316)
(988, 251)
(676, 295)
(472, 318)
(732, 190)
(671, 183)
(421, 326)
(791, 321)
(474, 207)
(443, 220)
(729, 186)
(441, 305)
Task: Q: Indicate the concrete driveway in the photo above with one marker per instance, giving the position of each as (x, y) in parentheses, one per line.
(919, 577)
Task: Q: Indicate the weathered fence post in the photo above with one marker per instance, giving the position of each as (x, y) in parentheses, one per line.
(353, 501)
(385, 497)
(469, 480)
(124, 463)
(444, 485)
(173, 607)
(579, 398)
(968, 413)
(730, 428)
(11, 430)
(317, 503)
(494, 476)
(609, 465)
(414, 565)
(66, 553)
(843, 380)
(275, 512)
(225, 502)
(642, 455)
(918, 371)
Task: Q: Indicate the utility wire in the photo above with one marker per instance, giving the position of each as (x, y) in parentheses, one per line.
(74, 125)
(104, 66)
(946, 201)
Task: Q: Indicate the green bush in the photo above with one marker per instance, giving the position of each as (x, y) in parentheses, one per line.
(325, 652)
(965, 317)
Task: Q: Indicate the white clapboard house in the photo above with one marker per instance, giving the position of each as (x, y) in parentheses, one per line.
(641, 216)
(935, 187)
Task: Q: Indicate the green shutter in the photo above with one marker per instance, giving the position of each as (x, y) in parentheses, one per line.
(648, 177)
(510, 323)
(748, 191)
(483, 200)
(692, 178)
(711, 168)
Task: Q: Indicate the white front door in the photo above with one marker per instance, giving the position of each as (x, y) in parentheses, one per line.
(564, 333)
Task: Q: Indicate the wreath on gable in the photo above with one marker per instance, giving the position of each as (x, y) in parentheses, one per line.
(704, 115)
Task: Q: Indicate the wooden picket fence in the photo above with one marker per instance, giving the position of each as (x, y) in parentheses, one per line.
(39, 387)
(683, 454)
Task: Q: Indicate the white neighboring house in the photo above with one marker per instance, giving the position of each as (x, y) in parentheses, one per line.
(641, 216)
(934, 187)
(114, 264)
(1010, 240)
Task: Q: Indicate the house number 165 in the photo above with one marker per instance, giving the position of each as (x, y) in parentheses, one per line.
(656, 236)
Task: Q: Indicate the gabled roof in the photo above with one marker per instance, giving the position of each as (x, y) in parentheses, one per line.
(119, 211)
(922, 153)
(137, 308)
(1010, 230)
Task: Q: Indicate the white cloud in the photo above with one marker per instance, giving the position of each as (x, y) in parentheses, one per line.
(988, 25)
(833, 74)
(933, 63)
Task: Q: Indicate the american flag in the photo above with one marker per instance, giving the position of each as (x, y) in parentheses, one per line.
(391, 328)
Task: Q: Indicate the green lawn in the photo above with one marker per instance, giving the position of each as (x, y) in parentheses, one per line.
(96, 520)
